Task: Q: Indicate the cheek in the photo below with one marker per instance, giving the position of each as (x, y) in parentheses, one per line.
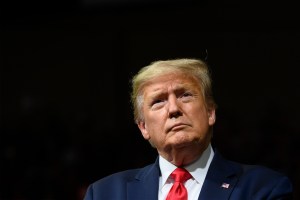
(156, 132)
(156, 117)
(196, 110)
(199, 116)
(155, 124)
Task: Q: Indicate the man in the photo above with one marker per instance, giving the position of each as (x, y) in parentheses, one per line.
(175, 111)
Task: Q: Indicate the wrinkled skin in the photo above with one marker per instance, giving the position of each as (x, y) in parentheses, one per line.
(177, 121)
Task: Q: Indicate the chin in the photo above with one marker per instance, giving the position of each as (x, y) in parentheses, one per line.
(182, 144)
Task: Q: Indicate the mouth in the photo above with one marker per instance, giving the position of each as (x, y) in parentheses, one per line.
(177, 127)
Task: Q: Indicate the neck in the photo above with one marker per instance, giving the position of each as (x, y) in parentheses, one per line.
(183, 156)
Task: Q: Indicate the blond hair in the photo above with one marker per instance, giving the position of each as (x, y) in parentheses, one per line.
(195, 68)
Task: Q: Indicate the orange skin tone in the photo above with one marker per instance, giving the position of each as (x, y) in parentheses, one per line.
(176, 119)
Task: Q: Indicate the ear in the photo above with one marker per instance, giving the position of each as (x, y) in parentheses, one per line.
(211, 117)
(143, 128)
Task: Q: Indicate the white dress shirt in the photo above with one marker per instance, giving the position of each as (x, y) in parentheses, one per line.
(197, 169)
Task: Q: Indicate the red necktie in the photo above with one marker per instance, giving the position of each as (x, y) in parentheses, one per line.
(178, 191)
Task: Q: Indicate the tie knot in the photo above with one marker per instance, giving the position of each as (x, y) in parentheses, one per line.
(180, 175)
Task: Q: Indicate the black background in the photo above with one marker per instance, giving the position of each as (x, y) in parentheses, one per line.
(66, 118)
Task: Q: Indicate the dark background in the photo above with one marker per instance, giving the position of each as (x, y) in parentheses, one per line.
(66, 118)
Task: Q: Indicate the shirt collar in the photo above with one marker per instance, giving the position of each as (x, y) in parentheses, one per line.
(197, 169)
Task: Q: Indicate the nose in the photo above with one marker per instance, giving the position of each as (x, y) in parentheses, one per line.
(173, 108)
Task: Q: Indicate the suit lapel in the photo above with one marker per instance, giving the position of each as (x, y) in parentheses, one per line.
(219, 183)
(145, 185)
(220, 180)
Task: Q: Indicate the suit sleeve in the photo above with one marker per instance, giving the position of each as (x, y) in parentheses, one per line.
(283, 190)
(89, 193)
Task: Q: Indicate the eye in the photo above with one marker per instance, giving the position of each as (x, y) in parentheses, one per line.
(157, 104)
(156, 101)
(186, 96)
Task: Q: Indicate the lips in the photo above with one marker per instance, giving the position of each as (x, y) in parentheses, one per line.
(177, 126)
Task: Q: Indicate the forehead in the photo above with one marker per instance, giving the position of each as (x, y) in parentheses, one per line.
(171, 81)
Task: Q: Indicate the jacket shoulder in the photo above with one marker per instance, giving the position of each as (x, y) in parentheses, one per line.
(252, 181)
(123, 176)
(114, 186)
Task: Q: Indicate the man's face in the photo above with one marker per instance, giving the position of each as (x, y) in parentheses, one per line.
(175, 115)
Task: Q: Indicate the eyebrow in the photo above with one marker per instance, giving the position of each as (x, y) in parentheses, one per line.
(158, 91)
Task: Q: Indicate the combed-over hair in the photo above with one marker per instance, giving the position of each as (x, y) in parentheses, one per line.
(195, 68)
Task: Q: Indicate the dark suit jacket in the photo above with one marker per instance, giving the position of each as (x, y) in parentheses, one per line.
(245, 182)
